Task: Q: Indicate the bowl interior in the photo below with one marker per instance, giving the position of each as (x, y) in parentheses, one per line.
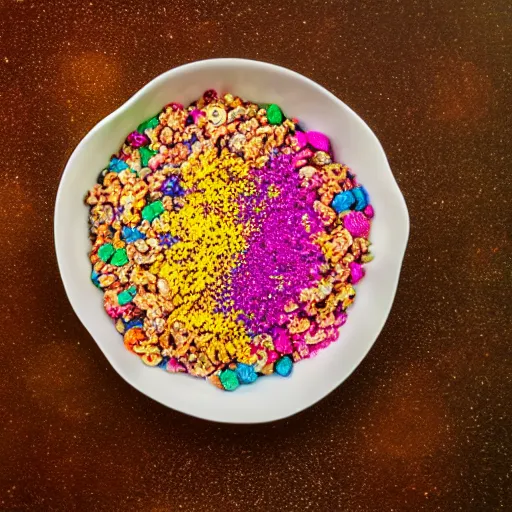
(354, 144)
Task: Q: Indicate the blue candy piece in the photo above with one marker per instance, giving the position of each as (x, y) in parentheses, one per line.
(95, 278)
(361, 198)
(132, 323)
(132, 234)
(117, 165)
(163, 363)
(245, 373)
(343, 201)
(284, 366)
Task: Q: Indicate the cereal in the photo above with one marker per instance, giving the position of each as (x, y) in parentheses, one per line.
(227, 241)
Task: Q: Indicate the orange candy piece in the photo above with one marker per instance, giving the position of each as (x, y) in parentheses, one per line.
(132, 337)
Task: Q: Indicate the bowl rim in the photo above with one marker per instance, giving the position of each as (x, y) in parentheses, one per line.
(126, 105)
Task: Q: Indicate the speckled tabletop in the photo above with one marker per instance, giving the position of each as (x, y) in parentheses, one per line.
(423, 423)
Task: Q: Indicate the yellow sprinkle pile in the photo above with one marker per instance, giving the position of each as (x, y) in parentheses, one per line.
(211, 238)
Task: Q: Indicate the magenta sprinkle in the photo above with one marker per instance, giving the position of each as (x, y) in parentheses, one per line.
(281, 260)
(357, 224)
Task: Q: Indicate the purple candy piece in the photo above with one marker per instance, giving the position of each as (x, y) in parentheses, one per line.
(137, 140)
(357, 224)
(356, 272)
(302, 140)
(319, 141)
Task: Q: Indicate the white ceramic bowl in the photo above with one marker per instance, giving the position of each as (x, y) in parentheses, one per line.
(354, 144)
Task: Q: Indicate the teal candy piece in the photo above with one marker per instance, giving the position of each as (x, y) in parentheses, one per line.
(343, 201)
(105, 252)
(117, 165)
(148, 125)
(229, 380)
(361, 198)
(283, 366)
(127, 295)
(119, 258)
(145, 155)
(132, 234)
(153, 210)
(245, 373)
(95, 278)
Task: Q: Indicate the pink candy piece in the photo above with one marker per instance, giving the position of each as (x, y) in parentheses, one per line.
(302, 140)
(116, 311)
(369, 212)
(136, 139)
(357, 224)
(356, 272)
(272, 356)
(300, 158)
(196, 114)
(174, 366)
(319, 141)
(156, 161)
(283, 343)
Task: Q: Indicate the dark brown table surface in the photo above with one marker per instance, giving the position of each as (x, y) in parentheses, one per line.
(424, 422)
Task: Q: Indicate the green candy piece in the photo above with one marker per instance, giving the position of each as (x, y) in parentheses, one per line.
(149, 124)
(145, 155)
(274, 114)
(105, 252)
(127, 295)
(229, 380)
(120, 258)
(153, 210)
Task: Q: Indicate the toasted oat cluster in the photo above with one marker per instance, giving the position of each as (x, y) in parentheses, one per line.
(227, 241)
